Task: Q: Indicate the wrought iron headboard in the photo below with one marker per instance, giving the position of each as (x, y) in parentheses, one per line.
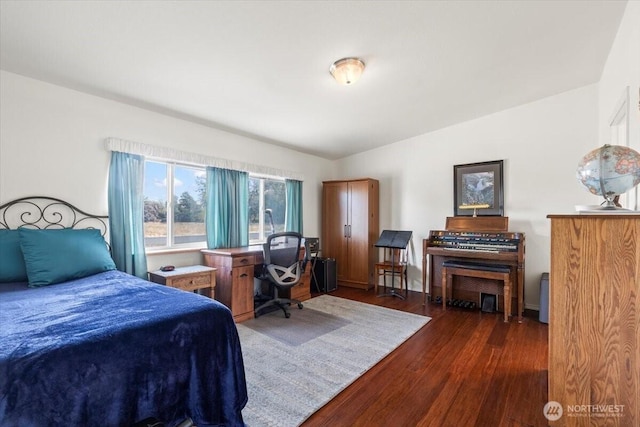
(43, 212)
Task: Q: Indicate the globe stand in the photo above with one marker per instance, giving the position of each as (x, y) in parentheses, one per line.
(610, 198)
(609, 204)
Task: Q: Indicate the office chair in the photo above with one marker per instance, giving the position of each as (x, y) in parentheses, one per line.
(282, 269)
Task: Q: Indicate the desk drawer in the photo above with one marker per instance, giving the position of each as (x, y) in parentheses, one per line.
(243, 261)
(300, 291)
(192, 282)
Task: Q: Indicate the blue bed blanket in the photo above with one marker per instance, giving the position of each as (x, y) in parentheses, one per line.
(112, 349)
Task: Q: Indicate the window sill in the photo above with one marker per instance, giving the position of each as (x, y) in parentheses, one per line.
(166, 251)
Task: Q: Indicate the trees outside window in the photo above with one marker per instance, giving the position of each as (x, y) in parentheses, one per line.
(181, 222)
(267, 207)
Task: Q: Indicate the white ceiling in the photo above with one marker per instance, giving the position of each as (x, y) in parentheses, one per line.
(260, 68)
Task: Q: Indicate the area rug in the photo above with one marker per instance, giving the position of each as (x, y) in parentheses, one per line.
(294, 366)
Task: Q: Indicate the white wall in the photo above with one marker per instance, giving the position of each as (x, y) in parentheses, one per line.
(622, 69)
(52, 143)
(540, 143)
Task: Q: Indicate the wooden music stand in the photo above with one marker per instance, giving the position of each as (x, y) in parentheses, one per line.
(393, 239)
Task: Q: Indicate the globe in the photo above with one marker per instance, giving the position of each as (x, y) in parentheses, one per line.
(609, 171)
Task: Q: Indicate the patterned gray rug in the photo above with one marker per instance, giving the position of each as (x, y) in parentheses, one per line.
(294, 366)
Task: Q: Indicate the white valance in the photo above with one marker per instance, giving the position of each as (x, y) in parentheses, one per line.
(170, 154)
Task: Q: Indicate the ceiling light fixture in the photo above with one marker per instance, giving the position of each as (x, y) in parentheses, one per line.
(347, 71)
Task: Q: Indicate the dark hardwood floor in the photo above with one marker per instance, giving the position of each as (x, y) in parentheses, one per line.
(464, 368)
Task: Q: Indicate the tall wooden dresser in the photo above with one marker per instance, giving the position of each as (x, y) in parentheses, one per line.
(594, 319)
(350, 229)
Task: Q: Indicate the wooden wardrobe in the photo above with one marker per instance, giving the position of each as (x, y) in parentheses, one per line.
(594, 319)
(350, 229)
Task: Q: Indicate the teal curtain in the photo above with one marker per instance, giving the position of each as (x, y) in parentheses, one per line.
(126, 213)
(227, 212)
(293, 217)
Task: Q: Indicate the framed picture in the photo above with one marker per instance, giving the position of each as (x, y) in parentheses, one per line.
(478, 189)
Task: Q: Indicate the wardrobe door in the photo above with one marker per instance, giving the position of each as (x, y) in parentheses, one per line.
(334, 225)
(358, 232)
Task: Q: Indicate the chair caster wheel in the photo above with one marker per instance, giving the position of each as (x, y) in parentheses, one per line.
(287, 315)
(300, 305)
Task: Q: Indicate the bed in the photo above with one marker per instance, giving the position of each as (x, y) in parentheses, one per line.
(104, 347)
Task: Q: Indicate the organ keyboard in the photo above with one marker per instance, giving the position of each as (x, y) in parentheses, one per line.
(476, 240)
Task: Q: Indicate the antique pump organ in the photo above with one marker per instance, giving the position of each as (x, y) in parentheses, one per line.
(475, 255)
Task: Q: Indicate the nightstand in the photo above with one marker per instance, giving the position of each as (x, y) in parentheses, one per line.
(189, 278)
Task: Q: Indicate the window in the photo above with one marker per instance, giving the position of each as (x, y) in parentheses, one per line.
(181, 222)
(267, 207)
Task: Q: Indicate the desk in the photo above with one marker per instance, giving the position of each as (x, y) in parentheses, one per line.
(234, 283)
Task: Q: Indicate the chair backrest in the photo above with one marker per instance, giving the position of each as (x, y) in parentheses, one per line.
(399, 256)
(282, 249)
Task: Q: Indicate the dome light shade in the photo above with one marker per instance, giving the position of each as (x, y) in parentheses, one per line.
(347, 71)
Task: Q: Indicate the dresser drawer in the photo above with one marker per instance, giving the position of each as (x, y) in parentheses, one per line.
(298, 292)
(301, 291)
(243, 261)
(191, 282)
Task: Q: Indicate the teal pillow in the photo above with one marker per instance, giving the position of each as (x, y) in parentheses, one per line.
(12, 268)
(54, 256)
